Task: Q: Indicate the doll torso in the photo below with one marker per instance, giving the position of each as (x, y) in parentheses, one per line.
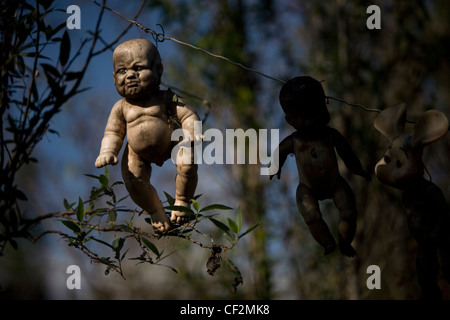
(316, 161)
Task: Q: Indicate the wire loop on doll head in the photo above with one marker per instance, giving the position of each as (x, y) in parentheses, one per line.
(304, 97)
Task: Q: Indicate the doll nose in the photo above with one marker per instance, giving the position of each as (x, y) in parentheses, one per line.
(131, 74)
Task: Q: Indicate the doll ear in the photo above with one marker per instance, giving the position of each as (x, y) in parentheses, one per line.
(391, 121)
(432, 126)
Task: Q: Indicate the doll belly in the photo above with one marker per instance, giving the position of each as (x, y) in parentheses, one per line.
(153, 143)
(322, 183)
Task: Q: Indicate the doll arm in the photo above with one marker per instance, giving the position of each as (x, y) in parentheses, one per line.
(285, 148)
(346, 153)
(113, 138)
(187, 118)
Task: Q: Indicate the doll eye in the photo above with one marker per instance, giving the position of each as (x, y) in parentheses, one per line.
(139, 68)
(122, 71)
(398, 164)
(387, 159)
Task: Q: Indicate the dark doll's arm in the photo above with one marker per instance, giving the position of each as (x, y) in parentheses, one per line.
(346, 153)
(285, 148)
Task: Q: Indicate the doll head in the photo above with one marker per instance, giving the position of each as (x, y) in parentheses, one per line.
(402, 162)
(137, 68)
(303, 102)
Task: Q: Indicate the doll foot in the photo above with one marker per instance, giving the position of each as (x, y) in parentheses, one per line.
(180, 217)
(347, 250)
(160, 222)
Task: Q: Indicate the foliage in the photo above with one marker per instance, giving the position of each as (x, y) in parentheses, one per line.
(29, 103)
(83, 216)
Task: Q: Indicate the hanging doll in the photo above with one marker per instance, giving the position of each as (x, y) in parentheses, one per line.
(313, 145)
(426, 209)
(145, 115)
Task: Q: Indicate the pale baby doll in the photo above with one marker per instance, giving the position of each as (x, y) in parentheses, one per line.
(314, 145)
(146, 116)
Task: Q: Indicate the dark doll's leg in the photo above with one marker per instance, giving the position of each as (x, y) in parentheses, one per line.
(309, 208)
(345, 202)
(136, 175)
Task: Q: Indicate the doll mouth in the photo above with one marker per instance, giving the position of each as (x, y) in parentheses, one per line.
(132, 85)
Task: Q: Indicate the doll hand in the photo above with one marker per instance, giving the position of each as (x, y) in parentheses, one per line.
(105, 159)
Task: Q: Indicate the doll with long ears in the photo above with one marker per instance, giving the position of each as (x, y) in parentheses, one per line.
(426, 209)
(314, 146)
(146, 116)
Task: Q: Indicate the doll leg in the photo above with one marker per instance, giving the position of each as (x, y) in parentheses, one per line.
(309, 208)
(136, 175)
(345, 202)
(185, 183)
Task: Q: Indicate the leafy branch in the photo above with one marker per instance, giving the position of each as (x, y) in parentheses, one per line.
(82, 217)
(28, 104)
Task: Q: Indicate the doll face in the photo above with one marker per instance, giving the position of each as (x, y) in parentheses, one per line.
(135, 71)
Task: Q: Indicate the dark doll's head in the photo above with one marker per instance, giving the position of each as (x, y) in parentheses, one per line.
(303, 102)
(402, 163)
(137, 68)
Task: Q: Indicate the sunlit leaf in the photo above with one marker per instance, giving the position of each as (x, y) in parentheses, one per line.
(233, 226)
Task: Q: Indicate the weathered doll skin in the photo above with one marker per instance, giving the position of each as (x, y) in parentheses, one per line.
(313, 145)
(426, 209)
(144, 116)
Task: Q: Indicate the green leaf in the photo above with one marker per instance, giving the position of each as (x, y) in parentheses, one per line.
(103, 180)
(71, 225)
(170, 199)
(180, 208)
(80, 210)
(68, 205)
(195, 204)
(233, 226)
(151, 246)
(92, 176)
(239, 220)
(215, 207)
(221, 226)
(112, 216)
(118, 245)
(64, 49)
(248, 230)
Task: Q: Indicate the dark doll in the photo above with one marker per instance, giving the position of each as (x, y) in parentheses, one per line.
(426, 209)
(314, 145)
